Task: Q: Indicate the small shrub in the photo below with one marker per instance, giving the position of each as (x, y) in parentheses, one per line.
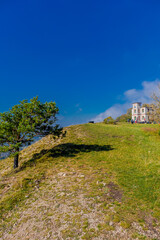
(109, 120)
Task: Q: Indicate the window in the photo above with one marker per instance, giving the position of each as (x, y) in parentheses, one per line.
(135, 118)
(134, 106)
(142, 110)
(134, 111)
(142, 117)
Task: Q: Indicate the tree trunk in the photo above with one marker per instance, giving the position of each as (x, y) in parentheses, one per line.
(16, 161)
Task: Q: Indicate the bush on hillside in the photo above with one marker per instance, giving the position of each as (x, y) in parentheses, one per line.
(123, 118)
(109, 120)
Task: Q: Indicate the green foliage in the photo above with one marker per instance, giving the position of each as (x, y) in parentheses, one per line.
(109, 120)
(25, 121)
(125, 117)
(146, 105)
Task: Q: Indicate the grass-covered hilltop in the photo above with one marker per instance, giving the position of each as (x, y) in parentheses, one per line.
(99, 182)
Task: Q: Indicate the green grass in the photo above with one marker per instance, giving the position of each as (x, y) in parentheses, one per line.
(107, 172)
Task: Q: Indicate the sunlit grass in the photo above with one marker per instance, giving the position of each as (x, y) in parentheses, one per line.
(114, 166)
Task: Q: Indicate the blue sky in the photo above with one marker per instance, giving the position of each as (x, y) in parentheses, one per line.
(84, 55)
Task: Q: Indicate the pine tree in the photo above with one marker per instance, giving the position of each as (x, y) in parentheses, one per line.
(25, 121)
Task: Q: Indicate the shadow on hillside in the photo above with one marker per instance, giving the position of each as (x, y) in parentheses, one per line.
(64, 150)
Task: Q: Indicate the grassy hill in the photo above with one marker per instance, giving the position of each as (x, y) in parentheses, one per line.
(99, 182)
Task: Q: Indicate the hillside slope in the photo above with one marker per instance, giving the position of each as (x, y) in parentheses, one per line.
(99, 182)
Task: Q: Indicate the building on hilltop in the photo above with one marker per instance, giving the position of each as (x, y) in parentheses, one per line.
(141, 113)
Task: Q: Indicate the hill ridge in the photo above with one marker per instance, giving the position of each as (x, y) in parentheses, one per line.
(98, 182)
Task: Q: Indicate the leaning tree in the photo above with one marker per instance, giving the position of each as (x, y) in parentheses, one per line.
(25, 121)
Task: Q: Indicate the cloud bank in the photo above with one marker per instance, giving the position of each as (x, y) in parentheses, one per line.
(132, 95)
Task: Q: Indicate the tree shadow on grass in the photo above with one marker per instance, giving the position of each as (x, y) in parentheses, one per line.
(64, 150)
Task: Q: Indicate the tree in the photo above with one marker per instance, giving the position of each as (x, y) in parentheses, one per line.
(147, 105)
(155, 107)
(129, 112)
(109, 120)
(25, 121)
(125, 117)
(152, 116)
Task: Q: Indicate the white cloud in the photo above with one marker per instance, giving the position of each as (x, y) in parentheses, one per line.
(144, 94)
(132, 95)
(114, 111)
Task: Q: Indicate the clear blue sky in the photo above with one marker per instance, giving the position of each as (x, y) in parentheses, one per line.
(80, 54)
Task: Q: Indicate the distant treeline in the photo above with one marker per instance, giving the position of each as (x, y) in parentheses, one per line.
(123, 118)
